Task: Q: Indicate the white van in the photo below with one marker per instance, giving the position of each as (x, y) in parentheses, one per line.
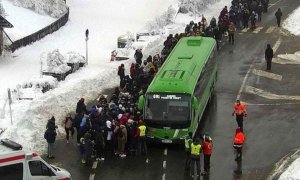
(17, 164)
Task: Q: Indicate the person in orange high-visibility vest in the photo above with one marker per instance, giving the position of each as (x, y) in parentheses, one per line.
(238, 142)
(239, 111)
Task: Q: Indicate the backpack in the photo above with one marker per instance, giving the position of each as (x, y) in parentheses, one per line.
(120, 133)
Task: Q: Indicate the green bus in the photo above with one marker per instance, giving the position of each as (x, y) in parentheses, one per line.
(177, 96)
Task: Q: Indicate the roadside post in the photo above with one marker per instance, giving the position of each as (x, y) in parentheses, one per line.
(86, 44)
(9, 102)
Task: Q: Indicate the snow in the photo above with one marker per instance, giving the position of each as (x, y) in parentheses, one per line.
(106, 21)
(292, 172)
(292, 22)
(22, 26)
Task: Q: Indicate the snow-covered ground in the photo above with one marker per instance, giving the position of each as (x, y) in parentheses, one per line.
(106, 20)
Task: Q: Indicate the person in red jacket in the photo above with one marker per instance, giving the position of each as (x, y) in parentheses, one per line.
(238, 142)
(207, 146)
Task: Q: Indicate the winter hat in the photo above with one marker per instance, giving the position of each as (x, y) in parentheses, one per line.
(100, 109)
(52, 118)
(130, 121)
(123, 109)
(108, 124)
(119, 116)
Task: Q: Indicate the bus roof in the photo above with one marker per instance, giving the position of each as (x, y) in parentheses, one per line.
(182, 68)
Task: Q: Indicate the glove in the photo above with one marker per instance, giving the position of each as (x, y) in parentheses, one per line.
(245, 115)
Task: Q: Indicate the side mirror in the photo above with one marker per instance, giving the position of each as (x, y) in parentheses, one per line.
(141, 102)
(195, 102)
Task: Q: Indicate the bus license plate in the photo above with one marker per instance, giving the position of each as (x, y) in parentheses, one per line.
(166, 141)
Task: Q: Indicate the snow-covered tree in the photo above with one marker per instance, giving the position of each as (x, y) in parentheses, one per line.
(2, 10)
(53, 8)
(56, 63)
(161, 21)
(74, 57)
(194, 6)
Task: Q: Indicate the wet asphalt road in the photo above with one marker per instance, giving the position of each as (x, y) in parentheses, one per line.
(270, 128)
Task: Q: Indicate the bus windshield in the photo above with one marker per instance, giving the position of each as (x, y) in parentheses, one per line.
(168, 107)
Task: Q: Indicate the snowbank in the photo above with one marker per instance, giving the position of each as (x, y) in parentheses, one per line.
(29, 123)
(292, 22)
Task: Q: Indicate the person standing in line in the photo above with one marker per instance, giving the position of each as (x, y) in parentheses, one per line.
(259, 12)
(207, 146)
(69, 127)
(239, 111)
(142, 144)
(231, 31)
(238, 143)
(121, 72)
(81, 107)
(187, 143)
(50, 135)
(269, 56)
(99, 145)
(77, 121)
(278, 15)
(195, 154)
(138, 55)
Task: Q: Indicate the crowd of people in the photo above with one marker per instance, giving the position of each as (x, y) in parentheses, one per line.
(116, 126)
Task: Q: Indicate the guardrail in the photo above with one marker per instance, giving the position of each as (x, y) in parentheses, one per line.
(41, 33)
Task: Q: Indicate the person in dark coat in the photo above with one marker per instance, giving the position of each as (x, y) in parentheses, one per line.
(259, 12)
(76, 124)
(121, 72)
(87, 148)
(278, 15)
(99, 145)
(81, 107)
(50, 135)
(268, 56)
(138, 55)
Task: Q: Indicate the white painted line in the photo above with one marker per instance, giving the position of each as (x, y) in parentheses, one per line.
(176, 133)
(270, 5)
(284, 32)
(270, 104)
(270, 29)
(244, 81)
(284, 61)
(163, 176)
(276, 45)
(245, 29)
(267, 74)
(95, 165)
(92, 176)
(269, 95)
(291, 57)
(164, 164)
(166, 151)
(257, 30)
